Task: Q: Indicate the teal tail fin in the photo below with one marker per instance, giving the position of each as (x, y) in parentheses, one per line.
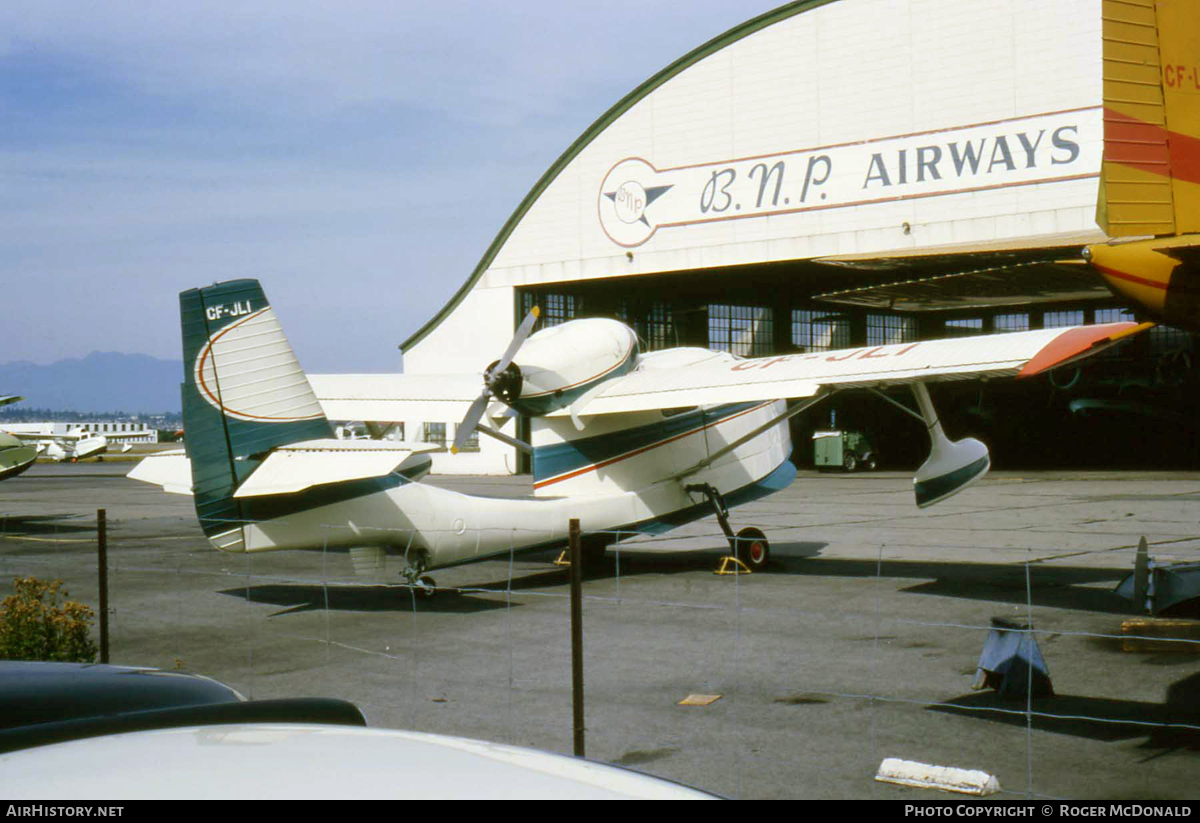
(244, 394)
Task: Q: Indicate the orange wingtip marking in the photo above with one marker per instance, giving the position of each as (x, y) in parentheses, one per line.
(1075, 343)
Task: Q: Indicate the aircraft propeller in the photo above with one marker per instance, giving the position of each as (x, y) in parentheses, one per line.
(501, 380)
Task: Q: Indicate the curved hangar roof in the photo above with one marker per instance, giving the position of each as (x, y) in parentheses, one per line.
(826, 129)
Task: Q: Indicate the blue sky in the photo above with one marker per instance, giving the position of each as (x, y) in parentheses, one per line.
(357, 157)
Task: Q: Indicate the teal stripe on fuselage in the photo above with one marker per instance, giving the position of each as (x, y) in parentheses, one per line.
(777, 480)
(562, 458)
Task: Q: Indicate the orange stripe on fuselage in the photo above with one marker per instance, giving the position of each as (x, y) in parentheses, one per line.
(1132, 278)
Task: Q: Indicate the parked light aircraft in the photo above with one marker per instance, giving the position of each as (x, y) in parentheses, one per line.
(621, 440)
(15, 456)
(25, 441)
(73, 445)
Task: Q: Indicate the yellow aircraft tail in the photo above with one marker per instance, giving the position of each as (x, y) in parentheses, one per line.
(1150, 177)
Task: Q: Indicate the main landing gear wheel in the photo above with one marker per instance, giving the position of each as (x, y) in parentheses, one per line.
(753, 549)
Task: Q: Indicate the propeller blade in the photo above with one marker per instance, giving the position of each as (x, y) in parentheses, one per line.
(475, 412)
(518, 340)
(470, 421)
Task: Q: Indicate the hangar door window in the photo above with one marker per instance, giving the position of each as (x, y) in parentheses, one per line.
(1058, 319)
(741, 330)
(434, 433)
(655, 327)
(1168, 340)
(556, 308)
(1114, 315)
(1018, 321)
(964, 326)
(890, 328)
(819, 330)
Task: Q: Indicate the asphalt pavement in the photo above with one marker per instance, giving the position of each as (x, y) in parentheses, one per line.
(860, 643)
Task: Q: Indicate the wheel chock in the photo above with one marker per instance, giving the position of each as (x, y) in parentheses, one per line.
(1011, 662)
(738, 566)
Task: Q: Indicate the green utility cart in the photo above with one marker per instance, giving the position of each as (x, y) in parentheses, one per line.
(847, 450)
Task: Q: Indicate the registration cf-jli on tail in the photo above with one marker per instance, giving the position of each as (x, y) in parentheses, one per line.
(624, 441)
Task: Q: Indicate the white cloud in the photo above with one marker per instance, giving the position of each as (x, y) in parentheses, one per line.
(327, 147)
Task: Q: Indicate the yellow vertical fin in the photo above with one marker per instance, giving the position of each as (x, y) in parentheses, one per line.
(1135, 184)
(1179, 54)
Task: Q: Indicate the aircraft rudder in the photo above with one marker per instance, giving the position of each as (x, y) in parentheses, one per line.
(1179, 56)
(1150, 176)
(244, 393)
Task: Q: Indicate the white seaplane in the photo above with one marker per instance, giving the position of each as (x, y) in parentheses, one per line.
(73, 445)
(24, 442)
(622, 440)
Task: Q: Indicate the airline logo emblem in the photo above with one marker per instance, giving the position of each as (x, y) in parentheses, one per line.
(636, 199)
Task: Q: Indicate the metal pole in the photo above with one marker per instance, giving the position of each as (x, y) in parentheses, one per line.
(576, 634)
(102, 541)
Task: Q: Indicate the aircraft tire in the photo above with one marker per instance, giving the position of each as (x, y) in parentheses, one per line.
(426, 586)
(753, 548)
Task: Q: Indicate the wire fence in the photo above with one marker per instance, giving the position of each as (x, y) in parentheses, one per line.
(860, 643)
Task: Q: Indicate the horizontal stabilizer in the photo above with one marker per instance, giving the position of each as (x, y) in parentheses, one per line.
(170, 469)
(294, 468)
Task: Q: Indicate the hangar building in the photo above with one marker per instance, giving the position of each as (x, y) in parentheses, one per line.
(833, 173)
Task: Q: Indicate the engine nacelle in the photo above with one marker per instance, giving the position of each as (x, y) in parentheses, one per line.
(558, 365)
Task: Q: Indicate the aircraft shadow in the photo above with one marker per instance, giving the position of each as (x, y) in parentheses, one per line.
(19, 525)
(1054, 586)
(786, 558)
(301, 597)
(1096, 718)
(634, 562)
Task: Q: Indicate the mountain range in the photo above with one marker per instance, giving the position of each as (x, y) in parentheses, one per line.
(100, 382)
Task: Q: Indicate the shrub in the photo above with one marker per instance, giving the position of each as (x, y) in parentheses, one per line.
(35, 626)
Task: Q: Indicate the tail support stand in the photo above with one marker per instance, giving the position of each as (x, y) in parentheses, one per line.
(722, 513)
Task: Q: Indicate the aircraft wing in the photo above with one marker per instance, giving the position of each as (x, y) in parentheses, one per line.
(10, 398)
(724, 379)
(394, 397)
(30, 437)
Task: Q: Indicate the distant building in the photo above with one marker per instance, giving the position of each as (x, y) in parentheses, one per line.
(143, 432)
